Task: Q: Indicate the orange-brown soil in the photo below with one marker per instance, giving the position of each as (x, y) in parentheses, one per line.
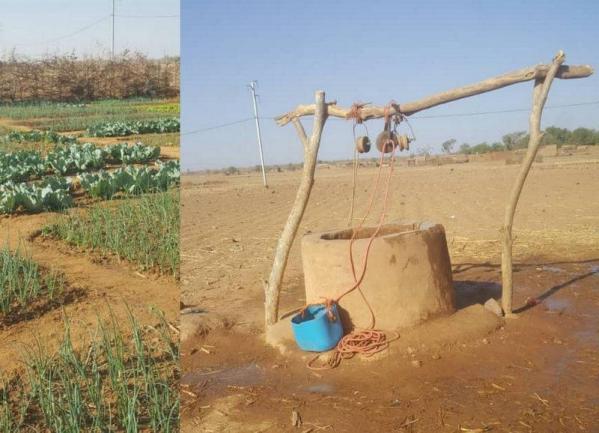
(539, 372)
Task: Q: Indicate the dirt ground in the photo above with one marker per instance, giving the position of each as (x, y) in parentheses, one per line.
(539, 372)
(96, 285)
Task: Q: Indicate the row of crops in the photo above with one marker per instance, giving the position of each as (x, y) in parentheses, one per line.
(38, 137)
(131, 180)
(124, 128)
(123, 380)
(26, 165)
(55, 192)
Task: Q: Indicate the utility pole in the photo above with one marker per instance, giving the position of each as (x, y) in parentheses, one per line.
(113, 13)
(252, 87)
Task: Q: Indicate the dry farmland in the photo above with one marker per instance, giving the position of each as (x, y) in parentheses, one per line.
(535, 373)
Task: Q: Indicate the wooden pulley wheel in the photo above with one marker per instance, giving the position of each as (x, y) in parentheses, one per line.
(386, 141)
(363, 144)
(404, 142)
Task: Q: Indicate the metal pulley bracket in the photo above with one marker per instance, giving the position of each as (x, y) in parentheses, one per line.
(389, 139)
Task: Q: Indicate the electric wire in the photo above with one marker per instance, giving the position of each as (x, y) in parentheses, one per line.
(89, 26)
(146, 16)
(222, 125)
(433, 116)
(514, 110)
(74, 33)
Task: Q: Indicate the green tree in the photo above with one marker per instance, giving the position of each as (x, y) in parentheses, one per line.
(555, 135)
(582, 136)
(522, 142)
(510, 141)
(481, 148)
(447, 145)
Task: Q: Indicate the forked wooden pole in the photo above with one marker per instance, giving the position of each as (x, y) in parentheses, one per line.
(311, 146)
(540, 92)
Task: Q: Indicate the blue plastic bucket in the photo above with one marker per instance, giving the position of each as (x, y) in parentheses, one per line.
(314, 331)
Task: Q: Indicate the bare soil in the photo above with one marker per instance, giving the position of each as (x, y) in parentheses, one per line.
(539, 372)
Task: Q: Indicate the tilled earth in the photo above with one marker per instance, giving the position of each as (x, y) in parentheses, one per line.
(539, 372)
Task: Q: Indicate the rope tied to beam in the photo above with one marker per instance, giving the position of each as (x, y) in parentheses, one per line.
(396, 115)
(355, 112)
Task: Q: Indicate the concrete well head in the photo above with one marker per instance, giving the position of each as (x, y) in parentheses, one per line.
(407, 280)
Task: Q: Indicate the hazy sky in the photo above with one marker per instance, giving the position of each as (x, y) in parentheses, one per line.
(372, 51)
(36, 27)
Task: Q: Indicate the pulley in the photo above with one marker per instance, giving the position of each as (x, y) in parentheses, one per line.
(404, 142)
(389, 139)
(386, 141)
(363, 144)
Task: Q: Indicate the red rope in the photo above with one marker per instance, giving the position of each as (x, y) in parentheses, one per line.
(368, 341)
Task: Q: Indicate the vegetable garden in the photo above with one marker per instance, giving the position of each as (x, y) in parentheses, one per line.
(90, 227)
(33, 183)
(140, 231)
(63, 117)
(120, 129)
(25, 286)
(116, 384)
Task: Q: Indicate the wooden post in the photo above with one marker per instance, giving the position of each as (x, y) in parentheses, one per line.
(273, 286)
(540, 92)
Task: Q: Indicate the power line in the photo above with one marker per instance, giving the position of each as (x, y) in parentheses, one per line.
(90, 25)
(434, 116)
(76, 32)
(223, 125)
(147, 16)
(515, 110)
(113, 15)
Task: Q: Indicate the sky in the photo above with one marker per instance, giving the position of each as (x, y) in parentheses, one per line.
(38, 27)
(374, 51)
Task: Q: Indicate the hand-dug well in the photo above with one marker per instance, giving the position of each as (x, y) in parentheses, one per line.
(408, 276)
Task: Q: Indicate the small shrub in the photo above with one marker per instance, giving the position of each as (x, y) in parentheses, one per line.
(231, 170)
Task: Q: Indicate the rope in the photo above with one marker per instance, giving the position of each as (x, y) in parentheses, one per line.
(350, 219)
(355, 112)
(356, 162)
(367, 341)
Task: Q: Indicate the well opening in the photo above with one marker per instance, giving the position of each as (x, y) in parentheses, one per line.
(367, 232)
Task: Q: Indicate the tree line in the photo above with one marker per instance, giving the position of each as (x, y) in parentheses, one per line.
(519, 140)
(69, 78)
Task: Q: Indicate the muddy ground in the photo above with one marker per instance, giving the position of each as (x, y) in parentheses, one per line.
(539, 372)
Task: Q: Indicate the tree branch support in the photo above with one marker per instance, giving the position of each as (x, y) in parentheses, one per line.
(540, 92)
(273, 286)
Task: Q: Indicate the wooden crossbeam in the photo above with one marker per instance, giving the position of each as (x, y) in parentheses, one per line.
(368, 112)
